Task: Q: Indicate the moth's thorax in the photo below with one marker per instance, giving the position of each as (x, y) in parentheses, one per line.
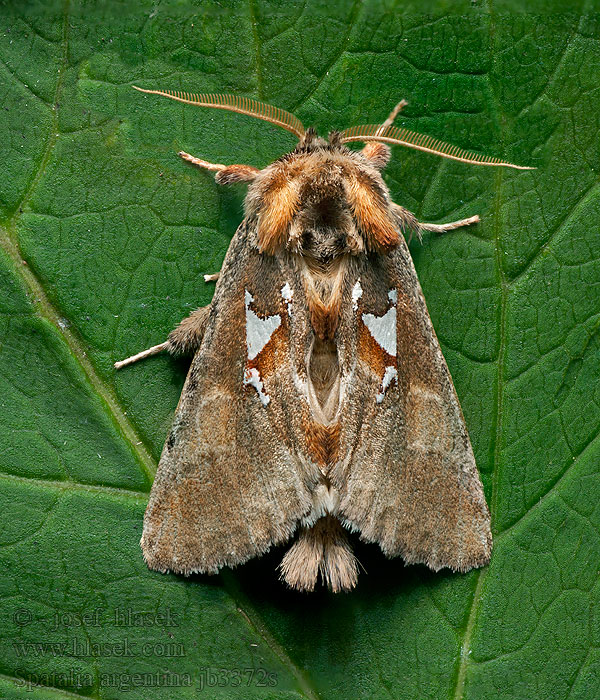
(321, 200)
(323, 205)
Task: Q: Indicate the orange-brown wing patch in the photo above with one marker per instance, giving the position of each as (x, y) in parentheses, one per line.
(267, 345)
(324, 316)
(323, 443)
(377, 341)
(372, 353)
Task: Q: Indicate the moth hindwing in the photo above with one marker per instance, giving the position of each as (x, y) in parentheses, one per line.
(318, 400)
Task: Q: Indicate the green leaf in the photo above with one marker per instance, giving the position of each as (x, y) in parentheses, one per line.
(105, 236)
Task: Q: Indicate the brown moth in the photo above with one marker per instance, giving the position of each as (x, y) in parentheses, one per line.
(318, 399)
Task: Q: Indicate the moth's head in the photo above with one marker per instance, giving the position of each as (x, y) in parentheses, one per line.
(322, 181)
(375, 154)
(323, 185)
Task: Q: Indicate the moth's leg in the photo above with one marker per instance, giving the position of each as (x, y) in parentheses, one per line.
(441, 228)
(393, 114)
(226, 174)
(375, 151)
(187, 337)
(183, 340)
(406, 220)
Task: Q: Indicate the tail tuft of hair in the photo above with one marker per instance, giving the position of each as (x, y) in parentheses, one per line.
(321, 549)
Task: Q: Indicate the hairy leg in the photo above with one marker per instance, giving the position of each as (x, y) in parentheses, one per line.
(185, 339)
(376, 152)
(226, 174)
(407, 221)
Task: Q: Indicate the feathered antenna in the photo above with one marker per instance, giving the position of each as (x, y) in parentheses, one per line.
(242, 105)
(404, 137)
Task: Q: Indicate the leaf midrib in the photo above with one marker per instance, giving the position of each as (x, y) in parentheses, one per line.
(481, 574)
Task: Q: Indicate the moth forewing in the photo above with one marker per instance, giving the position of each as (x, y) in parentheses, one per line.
(318, 400)
(222, 495)
(409, 481)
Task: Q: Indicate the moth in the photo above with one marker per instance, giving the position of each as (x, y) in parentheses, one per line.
(318, 400)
